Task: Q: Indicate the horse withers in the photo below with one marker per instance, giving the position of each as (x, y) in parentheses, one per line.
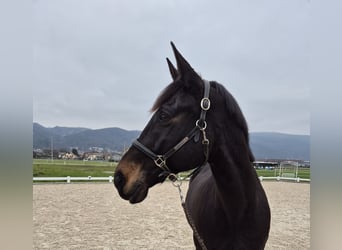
(197, 124)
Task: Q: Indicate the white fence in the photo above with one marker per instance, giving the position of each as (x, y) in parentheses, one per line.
(280, 178)
(68, 179)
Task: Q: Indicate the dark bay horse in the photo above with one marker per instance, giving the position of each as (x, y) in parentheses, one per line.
(198, 124)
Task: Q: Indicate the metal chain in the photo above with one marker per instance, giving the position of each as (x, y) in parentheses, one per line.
(205, 143)
(177, 182)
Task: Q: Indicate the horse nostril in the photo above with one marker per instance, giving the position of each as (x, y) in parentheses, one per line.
(119, 180)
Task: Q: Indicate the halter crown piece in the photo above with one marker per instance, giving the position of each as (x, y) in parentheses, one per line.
(201, 125)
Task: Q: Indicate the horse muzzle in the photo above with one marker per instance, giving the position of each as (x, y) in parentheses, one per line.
(128, 182)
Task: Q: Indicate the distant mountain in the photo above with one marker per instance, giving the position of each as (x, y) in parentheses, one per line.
(264, 145)
(111, 138)
(64, 131)
(82, 138)
(280, 146)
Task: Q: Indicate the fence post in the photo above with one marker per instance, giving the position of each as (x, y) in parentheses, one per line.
(278, 178)
(110, 178)
(68, 179)
(298, 179)
(260, 178)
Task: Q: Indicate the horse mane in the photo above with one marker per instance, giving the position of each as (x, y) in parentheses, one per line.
(232, 107)
(234, 111)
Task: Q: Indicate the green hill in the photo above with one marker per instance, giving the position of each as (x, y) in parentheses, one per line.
(264, 145)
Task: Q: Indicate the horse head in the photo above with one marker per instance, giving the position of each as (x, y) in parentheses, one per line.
(171, 141)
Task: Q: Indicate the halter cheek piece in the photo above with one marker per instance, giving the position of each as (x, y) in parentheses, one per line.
(200, 126)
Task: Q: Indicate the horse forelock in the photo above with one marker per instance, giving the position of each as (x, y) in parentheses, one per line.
(166, 94)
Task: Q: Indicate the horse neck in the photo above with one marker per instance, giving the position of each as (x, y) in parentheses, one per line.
(231, 167)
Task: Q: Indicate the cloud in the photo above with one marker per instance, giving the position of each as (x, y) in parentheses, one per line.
(102, 63)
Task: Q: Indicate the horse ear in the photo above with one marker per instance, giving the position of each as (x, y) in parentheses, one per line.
(184, 69)
(173, 70)
(183, 66)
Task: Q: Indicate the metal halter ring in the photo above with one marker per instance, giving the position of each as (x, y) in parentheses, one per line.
(175, 180)
(201, 127)
(205, 103)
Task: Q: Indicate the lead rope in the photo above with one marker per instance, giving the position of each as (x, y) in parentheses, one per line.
(177, 182)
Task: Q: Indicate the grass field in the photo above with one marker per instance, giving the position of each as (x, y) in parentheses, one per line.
(302, 172)
(76, 168)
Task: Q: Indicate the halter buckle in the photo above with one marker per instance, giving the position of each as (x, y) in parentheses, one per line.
(205, 103)
(160, 161)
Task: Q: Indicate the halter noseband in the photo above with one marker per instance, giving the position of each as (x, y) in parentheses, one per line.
(201, 125)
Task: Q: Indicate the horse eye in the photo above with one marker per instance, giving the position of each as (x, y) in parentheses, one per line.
(163, 116)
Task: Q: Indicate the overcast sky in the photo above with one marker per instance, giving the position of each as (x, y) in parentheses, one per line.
(101, 64)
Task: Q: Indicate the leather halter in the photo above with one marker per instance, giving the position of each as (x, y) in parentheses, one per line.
(201, 125)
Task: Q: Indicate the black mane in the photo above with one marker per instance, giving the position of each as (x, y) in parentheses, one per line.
(232, 108)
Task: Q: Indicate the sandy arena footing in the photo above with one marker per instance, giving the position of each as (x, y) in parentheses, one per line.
(93, 216)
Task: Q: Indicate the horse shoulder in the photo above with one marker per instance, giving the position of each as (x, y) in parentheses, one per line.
(206, 210)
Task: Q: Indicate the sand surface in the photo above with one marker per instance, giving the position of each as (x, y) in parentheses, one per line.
(93, 216)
